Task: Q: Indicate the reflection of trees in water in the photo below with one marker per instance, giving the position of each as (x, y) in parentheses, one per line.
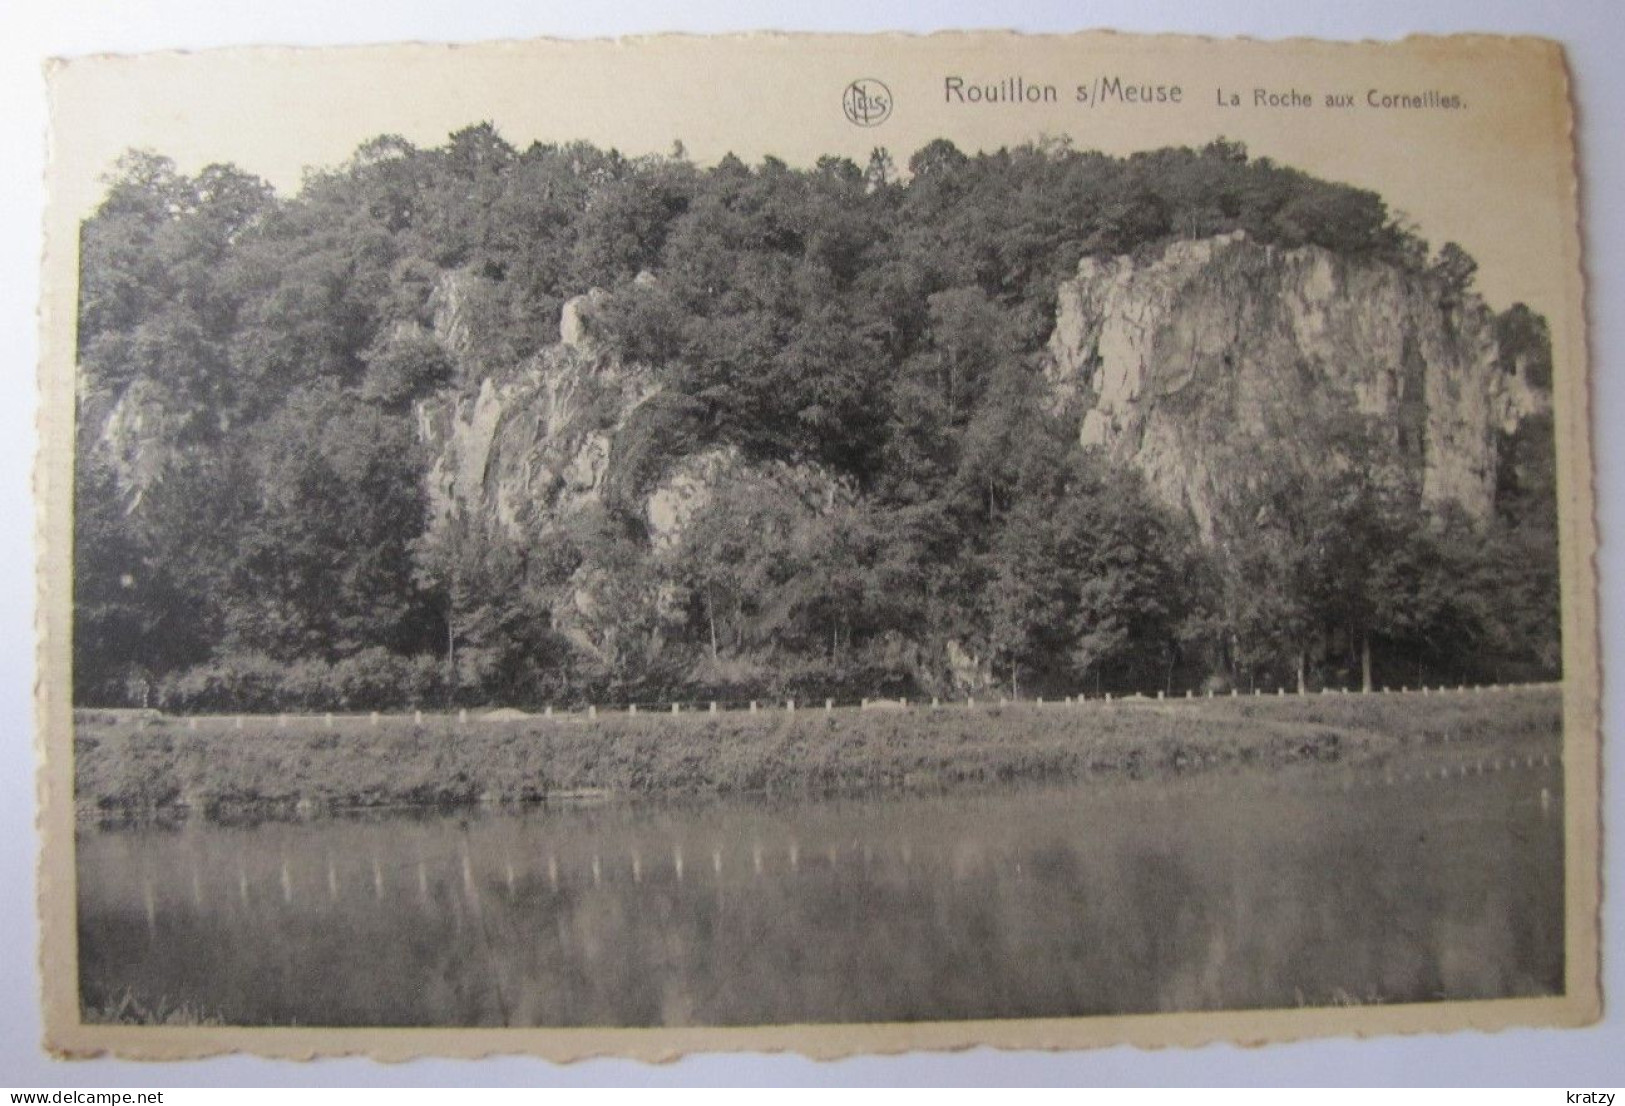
(1035, 903)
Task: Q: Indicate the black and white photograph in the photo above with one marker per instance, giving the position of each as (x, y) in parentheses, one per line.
(1015, 534)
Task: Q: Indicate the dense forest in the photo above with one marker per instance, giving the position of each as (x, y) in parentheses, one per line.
(259, 533)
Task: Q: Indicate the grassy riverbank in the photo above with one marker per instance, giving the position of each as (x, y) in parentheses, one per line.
(145, 764)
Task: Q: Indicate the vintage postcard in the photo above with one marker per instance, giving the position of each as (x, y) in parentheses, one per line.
(840, 544)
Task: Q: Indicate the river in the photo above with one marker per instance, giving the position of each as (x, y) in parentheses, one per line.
(1323, 887)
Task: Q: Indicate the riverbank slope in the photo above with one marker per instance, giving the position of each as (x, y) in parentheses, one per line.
(134, 764)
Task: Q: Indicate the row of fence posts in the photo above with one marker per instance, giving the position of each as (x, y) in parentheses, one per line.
(789, 705)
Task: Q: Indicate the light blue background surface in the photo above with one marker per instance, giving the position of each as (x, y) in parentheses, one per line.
(33, 29)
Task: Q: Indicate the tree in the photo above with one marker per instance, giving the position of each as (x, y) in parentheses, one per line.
(1302, 542)
(1134, 568)
(1454, 270)
(881, 170)
(1429, 594)
(498, 640)
(323, 566)
(405, 367)
(1027, 597)
(970, 338)
(113, 609)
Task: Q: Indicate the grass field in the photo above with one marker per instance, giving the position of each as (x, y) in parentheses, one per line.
(136, 764)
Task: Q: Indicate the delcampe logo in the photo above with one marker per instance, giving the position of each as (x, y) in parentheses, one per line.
(867, 102)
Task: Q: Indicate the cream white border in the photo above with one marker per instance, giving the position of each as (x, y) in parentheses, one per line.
(53, 486)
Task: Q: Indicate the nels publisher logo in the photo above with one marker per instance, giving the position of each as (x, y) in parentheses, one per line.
(867, 102)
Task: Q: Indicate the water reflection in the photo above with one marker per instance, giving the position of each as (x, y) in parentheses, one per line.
(1018, 903)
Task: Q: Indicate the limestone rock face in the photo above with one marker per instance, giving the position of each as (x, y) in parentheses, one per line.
(689, 488)
(133, 431)
(1221, 354)
(574, 426)
(532, 444)
(575, 319)
(449, 304)
(574, 429)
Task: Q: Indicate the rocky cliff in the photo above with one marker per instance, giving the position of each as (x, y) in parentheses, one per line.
(535, 442)
(575, 427)
(1217, 354)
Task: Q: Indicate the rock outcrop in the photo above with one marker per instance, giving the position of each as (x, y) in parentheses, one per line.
(1195, 365)
(575, 426)
(532, 444)
(133, 431)
(572, 430)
